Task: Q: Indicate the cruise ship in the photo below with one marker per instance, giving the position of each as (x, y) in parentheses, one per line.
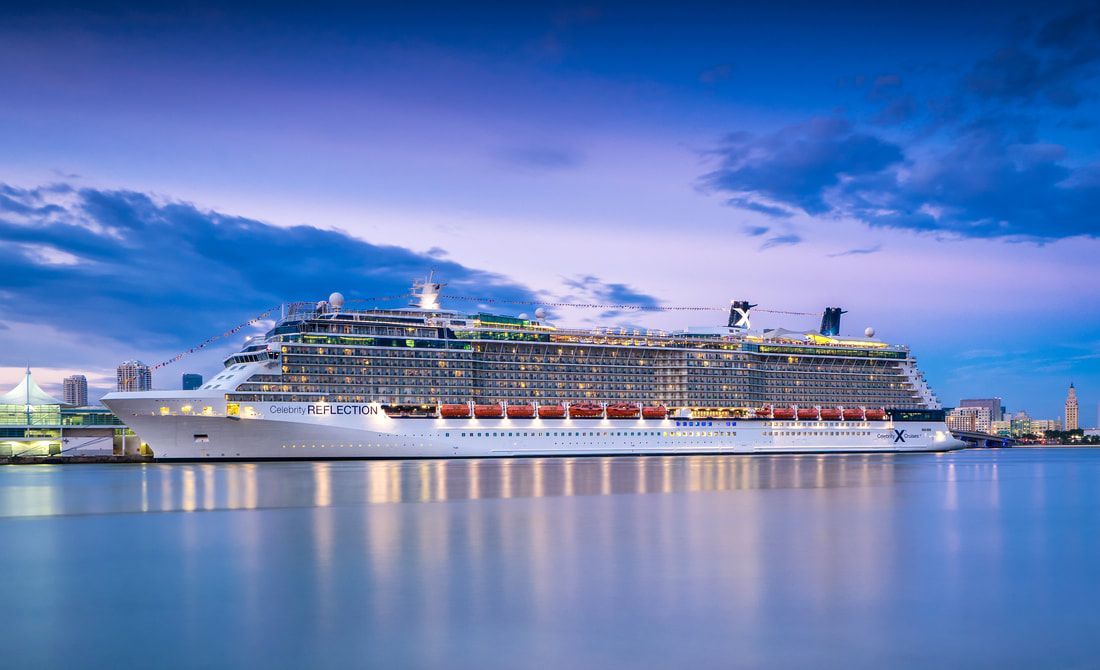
(330, 382)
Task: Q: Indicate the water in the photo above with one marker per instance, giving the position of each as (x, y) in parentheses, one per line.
(971, 559)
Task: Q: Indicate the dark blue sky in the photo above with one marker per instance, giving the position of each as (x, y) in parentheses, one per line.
(171, 170)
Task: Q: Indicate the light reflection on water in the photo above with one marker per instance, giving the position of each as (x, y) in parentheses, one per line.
(232, 486)
(864, 561)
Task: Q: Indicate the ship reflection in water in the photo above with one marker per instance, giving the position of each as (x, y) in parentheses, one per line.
(792, 561)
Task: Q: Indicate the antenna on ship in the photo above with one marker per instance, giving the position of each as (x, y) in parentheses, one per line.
(425, 292)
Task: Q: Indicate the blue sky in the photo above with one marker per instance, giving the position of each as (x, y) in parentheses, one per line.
(171, 171)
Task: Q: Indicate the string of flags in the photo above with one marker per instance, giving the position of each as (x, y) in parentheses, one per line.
(622, 307)
(210, 340)
(535, 303)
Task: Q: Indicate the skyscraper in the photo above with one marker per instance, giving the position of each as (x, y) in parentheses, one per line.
(134, 376)
(1072, 422)
(76, 390)
(994, 405)
(191, 381)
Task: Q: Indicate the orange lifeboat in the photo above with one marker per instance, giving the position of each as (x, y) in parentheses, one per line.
(585, 410)
(875, 414)
(783, 412)
(764, 412)
(551, 412)
(455, 411)
(494, 411)
(853, 414)
(658, 412)
(622, 410)
(807, 413)
(521, 411)
(831, 414)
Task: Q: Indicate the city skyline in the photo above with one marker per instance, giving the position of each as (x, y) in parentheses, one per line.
(556, 154)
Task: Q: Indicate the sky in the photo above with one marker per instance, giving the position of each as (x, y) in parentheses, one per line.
(170, 172)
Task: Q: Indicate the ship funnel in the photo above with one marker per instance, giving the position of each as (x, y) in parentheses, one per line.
(830, 321)
(739, 314)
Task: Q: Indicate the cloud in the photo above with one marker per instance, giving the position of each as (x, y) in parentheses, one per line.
(858, 252)
(770, 210)
(781, 241)
(897, 111)
(1049, 62)
(539, 159)
(756, 231)
(977, 170)
(796, 165)
(152, 274)
(594, 290)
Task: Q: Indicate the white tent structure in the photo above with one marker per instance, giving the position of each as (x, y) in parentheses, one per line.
(35, 416)
(28, 392)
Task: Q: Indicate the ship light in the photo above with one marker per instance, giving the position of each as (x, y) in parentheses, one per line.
(164, 411)
(186, 409)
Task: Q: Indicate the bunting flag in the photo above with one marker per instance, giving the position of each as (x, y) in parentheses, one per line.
(489, 301)
(210, 340)
(623, 307)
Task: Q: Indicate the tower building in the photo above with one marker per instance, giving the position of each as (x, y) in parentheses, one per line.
(76, 390)
(134, 376)
(1072, 422)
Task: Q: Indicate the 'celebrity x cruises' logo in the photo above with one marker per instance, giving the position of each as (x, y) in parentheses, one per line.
(742, 318)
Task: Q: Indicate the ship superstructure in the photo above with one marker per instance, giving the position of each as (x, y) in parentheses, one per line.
(414, 381)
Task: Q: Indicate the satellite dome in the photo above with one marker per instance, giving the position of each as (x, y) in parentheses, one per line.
(870, 332)
(523, 315)
(540, 313)
(336, 300)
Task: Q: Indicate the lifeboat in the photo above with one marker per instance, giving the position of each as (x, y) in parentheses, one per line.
(622, 410)
(455, 411)
(875, 414)
(521, 411)
(658, 412)
(807, 413)
(410, 411)
(551, 412)
(853, 414)
(831, 414)
(585, 410)
(763, 412)
(783, 412)
(494, 411)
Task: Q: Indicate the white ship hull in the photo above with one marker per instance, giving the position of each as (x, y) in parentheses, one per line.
(194, 425)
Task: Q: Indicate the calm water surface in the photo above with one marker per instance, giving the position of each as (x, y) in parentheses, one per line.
(973, 559)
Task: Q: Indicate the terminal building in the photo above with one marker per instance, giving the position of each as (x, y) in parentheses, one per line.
(33, 423)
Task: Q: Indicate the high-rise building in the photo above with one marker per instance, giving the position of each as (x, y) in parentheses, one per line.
(994, 405)
(1072, 422)
(1021, 424)
(970, 419)
(76, 390)
(191, 381)
(134, 376)
(1041, 426)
